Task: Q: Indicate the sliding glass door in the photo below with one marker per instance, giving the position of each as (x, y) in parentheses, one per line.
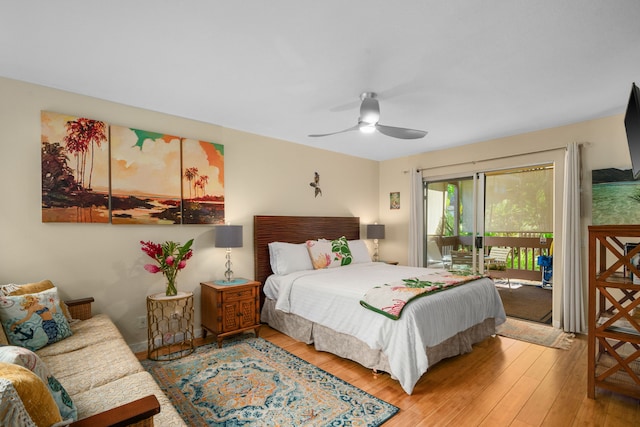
(451, 207)
(467, 216)
(519, 216)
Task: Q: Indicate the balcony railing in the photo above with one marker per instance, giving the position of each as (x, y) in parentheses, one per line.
(522, 262)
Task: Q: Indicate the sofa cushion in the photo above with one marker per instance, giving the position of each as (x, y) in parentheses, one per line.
(34, 320)
(28, 359)
(86, 333)
(126, 390)
(93, 366)
(33, 393)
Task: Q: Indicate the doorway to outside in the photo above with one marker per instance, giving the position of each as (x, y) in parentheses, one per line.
(499, 223)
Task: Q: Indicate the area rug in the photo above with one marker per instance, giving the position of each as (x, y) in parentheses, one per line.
(526, 302)
(252, 382)
(535, 333)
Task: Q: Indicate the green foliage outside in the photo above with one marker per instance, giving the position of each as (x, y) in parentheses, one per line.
(523, 216)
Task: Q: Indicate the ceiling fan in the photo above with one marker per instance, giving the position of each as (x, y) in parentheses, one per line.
(368, 121)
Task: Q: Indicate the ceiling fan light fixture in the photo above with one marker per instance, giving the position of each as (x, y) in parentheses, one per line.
(367, 127)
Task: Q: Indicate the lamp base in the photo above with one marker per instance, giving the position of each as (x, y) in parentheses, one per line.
(230, 282)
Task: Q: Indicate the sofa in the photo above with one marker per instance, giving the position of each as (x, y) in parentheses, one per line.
(92, 369)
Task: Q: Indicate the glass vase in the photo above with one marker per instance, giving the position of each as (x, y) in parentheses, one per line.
(172, 288)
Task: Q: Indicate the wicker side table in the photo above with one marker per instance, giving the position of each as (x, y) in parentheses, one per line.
(170, 326)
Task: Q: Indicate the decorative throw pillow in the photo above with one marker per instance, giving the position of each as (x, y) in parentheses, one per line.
(329, 254)
(359, 251)
(34, 320)
(287, 258)
(28, 359)
(33, 288)
(8, 288)
(33, 393)
(12, 410)
(29, 288)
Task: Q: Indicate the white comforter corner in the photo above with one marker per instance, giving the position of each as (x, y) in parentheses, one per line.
(331, 297)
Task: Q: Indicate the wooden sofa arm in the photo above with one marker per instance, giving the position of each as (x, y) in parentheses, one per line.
(80, 308)
(138, 413)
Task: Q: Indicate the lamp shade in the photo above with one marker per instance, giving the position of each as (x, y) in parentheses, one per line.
(228, 236)
(375, 231)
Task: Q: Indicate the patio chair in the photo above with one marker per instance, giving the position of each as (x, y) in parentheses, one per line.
(463, 259)
(497, 260)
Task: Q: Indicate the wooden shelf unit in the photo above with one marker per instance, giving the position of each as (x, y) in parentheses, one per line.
(614, 311)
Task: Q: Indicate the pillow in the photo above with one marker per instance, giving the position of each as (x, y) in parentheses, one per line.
(33, 320)
(28, 288)
(7, 289)
(12, 411)
(33, 393)
(287, 258)
(33, 288)
(28, 359)
(329, 254)
(359, 251)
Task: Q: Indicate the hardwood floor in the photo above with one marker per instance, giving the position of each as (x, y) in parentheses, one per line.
(503, 382)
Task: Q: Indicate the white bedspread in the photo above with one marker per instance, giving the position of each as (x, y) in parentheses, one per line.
(331, 298)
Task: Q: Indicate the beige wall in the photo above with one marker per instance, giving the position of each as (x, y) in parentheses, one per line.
(262, 176)
(604, 145)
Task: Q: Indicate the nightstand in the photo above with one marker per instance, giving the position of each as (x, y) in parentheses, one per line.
(230, 309)
(169, 326)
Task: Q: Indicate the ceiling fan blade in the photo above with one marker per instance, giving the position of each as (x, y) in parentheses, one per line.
(402, 133)
(356, 127)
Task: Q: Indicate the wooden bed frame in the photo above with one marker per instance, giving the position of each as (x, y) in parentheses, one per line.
(298, 229)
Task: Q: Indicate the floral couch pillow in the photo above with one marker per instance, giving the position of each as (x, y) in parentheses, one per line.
(329, 254)
(34, 320)
(28, 359)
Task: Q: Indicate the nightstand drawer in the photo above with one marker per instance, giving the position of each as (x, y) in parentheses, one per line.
(232, 295)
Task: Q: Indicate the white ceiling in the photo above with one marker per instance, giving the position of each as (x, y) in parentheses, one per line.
(465, 71)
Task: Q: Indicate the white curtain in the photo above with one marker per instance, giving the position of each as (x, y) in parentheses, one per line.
(416, 221)
(572, 295)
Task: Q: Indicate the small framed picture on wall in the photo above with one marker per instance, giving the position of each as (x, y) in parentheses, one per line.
(394, 200)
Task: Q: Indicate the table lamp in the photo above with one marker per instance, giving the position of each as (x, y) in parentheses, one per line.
(228, 236)
(375, 232)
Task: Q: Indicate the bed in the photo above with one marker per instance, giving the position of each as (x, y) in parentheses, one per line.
(318, 307)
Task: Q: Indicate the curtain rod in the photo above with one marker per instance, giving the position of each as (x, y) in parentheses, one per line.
(473, 162)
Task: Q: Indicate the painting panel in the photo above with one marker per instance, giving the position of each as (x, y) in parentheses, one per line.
(145, 177)
(75, 169)
(202, 182)
(615, 197)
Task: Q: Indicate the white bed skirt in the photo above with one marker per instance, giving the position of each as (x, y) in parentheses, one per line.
(349, 347)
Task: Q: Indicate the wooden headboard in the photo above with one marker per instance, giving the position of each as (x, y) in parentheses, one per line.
(296, 229)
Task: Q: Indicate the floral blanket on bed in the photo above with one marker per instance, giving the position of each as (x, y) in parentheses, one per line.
(390, 299)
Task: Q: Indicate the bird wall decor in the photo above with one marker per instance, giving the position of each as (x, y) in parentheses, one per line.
(316, 184)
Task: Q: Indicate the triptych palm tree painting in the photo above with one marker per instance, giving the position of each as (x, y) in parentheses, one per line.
(154, 178)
